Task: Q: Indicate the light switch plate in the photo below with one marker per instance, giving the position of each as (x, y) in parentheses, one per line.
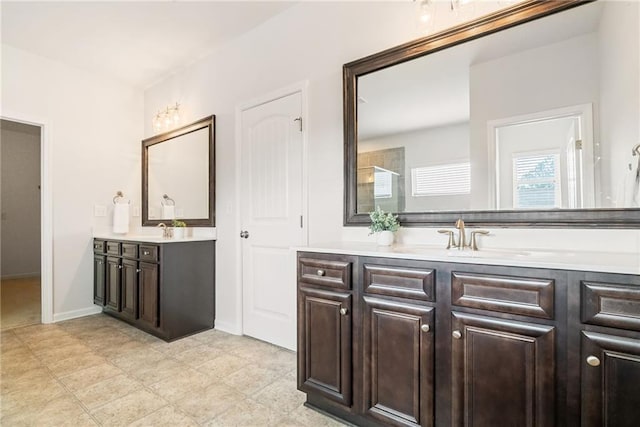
(99, 210)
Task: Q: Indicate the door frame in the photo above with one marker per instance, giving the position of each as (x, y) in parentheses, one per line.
(46, 210)
(299, 87)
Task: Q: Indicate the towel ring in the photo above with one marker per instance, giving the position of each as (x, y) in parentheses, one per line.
(168, 199)
(118, 195)
(636, 150)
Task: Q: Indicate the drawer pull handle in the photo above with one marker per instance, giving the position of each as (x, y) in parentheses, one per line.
(457, 334)
(344, 311)
(593, 361)
(425, 328)
(145, 252)
(320, 272)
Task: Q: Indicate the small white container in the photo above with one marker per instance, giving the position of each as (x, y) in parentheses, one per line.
(179, 232)
(385, 238)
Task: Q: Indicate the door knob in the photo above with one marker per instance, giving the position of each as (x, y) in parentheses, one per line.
(593, 361)
(244, 234)
(457, 334)
(425, 328)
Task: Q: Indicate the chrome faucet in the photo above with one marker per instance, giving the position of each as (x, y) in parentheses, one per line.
(167, 233)
(461, 243)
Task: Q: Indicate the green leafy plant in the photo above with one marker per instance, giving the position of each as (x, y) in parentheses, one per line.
(382, 221)
(178, 223)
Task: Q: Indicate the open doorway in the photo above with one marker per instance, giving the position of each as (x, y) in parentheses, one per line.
(20, 232)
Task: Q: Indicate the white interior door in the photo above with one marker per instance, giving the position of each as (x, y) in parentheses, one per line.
(271, 210)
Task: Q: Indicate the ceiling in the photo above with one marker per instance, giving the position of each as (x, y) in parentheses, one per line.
(139, 43)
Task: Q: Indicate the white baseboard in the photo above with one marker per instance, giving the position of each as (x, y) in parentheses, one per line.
(229, 328)
(73, 314)
(21, 275)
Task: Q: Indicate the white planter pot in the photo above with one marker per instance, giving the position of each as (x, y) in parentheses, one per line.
(385, 238)
(178, 232)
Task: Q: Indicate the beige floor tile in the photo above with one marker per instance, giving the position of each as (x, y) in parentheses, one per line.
(30, 334)
(223, 366)
(48, 344)
(306, 417)
(54, 354)
(204, 404)
(133, 361)
(198, 355)
(123, 349)
(177, 386)
(141, 336)
(63, 411)
(18, 366)
(30, 399)
(176, 347)
(250, 379)
(26, 379)
(167, 416)
(107, 390)
(158, 371)
(252, 349)
(282, 394)
(211, 336)
(75, 363)
(247, 413)
(128, 409)
(281, 360)
(85, 377)
(9, 341)
(106, 337)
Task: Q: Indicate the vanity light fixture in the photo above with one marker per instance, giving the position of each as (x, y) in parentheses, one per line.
(426, 10)
(167, 118)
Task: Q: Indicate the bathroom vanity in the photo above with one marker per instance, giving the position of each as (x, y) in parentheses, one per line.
(163, 287)
(423, 337)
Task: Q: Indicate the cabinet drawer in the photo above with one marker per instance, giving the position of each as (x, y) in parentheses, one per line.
(614, 305)
(129, 250)
(336, 274)
(515, 295)
(148, 253)
(406, 282)
(98, 246)
(113, 248)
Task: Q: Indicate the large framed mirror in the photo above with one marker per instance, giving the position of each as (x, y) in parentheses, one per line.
(178, 176)
(529, 116)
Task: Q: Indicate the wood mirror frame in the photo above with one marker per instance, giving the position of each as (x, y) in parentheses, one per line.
(516, 15)
(205, 123)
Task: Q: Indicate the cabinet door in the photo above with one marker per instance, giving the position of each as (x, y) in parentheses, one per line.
(99, 276)
(324, 344)
(113, 283)
(610, 380)
(129, 288)
(148, 294)
(398, 362)
(503, 372)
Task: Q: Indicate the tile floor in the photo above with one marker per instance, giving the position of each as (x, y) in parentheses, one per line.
(19, 302)
(99, 371)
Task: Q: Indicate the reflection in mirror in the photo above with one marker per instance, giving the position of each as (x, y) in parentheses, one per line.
(541, 116)
(178, 175)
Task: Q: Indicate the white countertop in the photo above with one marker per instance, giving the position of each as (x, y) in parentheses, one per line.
(150, 238)
(606, 262)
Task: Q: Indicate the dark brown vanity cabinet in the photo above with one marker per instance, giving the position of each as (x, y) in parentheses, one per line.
(166, 289)
(453, 344)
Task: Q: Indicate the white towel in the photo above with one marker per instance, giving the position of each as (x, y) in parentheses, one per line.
(121, 218)
(168, 212)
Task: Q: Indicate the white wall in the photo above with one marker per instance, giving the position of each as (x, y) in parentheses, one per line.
(94, 127)
(619, 50)
(20, 202)
(310, 41)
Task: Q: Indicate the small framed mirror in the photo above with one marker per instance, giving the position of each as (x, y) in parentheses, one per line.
(178, 176)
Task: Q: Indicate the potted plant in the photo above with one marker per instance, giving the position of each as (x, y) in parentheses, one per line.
(178, 228)
(384, 225)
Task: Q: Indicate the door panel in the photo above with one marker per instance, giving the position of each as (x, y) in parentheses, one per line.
(324, 344)
(99, 276)
(398, 362)
(148, 294)
(113, 283)
(610, 395)
(502, 372)
(271, 213)
(129, 288)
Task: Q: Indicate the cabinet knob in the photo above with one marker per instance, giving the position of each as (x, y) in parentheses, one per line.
(425, 328)
(138, 270)
(320, 272)
(145, 252)
(593, 361)
(457, 334)
(344, 311)
(120, 267)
